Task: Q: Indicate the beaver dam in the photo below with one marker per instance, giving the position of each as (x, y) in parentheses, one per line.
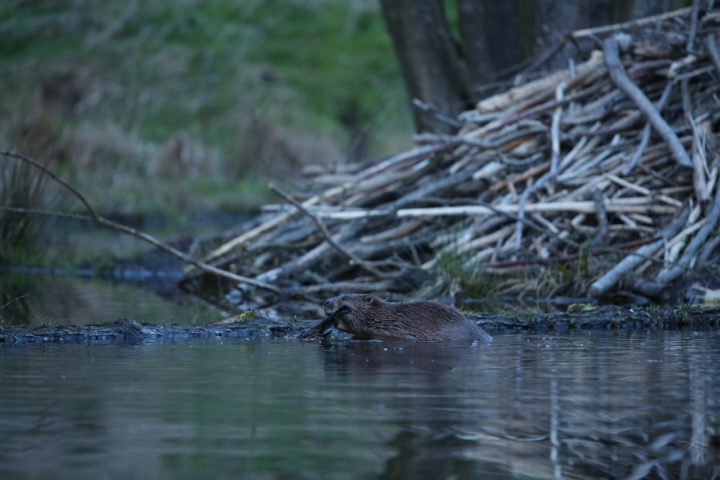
(594, 180)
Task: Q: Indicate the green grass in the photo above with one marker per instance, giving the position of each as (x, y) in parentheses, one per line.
(116, 83)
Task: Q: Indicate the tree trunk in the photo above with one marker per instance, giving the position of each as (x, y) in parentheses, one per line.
(495, 35)
(490, 37)
(433, 70)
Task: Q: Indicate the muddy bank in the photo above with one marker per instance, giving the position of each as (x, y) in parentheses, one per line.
(126, 331)
(604, 318)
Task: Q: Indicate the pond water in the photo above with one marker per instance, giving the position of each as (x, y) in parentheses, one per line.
(584, 405)
(59, 299)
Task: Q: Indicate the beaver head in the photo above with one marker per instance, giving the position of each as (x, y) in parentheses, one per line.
(357, 314)
(369, 316)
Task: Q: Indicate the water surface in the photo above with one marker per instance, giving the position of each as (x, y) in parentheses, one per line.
(70, 300)
(585, 405)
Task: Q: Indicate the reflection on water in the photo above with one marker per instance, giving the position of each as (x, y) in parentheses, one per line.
(65, 300)
(607, 405)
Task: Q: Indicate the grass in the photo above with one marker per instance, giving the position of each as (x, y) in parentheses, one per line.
(21, 187)
(154, 106)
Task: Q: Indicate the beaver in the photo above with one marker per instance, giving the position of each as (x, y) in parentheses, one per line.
(369, 316)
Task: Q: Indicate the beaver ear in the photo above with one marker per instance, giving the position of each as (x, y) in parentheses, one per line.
(369, 299)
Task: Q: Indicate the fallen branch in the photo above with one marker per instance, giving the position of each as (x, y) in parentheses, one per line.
(14, 300)
(614, 206)
(713, 50)
(100, 220)
(646, 131)
(391, 162)
(323, 230)
(623, 82)
(55, 178)
(611, 278)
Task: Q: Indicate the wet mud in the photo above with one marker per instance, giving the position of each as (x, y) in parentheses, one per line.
(128, 331)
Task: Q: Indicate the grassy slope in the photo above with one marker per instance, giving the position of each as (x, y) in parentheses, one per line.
(175, 106)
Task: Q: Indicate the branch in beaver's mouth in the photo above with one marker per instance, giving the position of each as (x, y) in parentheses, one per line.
(341, 312)
(321, 329)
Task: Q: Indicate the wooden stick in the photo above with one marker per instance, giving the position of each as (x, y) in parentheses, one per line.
(711, 217)
(620, 78)
(524, 176)
(619, 248)
(502, 100)
(55, 178)
(555, 130)
(392, 233)
(100, 220)
(613, 206)
(343, 287)
(591, 32)
(370, 171)
(321, 226)
(700, 135)
(611, 278)
(711, 44)
(693, 24)
(646, 131)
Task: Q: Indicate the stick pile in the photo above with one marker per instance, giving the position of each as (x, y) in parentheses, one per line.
(613, 160)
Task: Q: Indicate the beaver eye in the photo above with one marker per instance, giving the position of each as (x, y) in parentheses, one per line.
(368, 300)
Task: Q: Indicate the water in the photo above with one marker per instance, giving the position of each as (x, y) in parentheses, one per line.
(65, 300)
(586, 405)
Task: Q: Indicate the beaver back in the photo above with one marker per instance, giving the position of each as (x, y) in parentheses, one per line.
(369, 316)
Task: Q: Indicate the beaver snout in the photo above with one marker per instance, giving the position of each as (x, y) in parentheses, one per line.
(333, 307)
(329, 307)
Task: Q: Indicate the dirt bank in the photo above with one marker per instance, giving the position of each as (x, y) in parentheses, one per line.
(126, 331)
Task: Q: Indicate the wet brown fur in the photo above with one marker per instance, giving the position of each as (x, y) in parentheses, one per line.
(369, 316)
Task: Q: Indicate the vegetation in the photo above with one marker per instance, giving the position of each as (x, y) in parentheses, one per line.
(180, 106)
(20, 187)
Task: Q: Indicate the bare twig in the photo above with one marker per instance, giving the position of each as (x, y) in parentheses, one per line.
(591, 32)
(646, 131)
(693, 25)
(430, 109)
(14, 300)
(529, 223)
(400, 159)
(611, 278)
(40, 166)
(100, 220)
(621, 79)
(601, 215)
(574, 256)
(698, 241)
(555, 129)
(711, 44)
(614, 206)
(321, 226)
